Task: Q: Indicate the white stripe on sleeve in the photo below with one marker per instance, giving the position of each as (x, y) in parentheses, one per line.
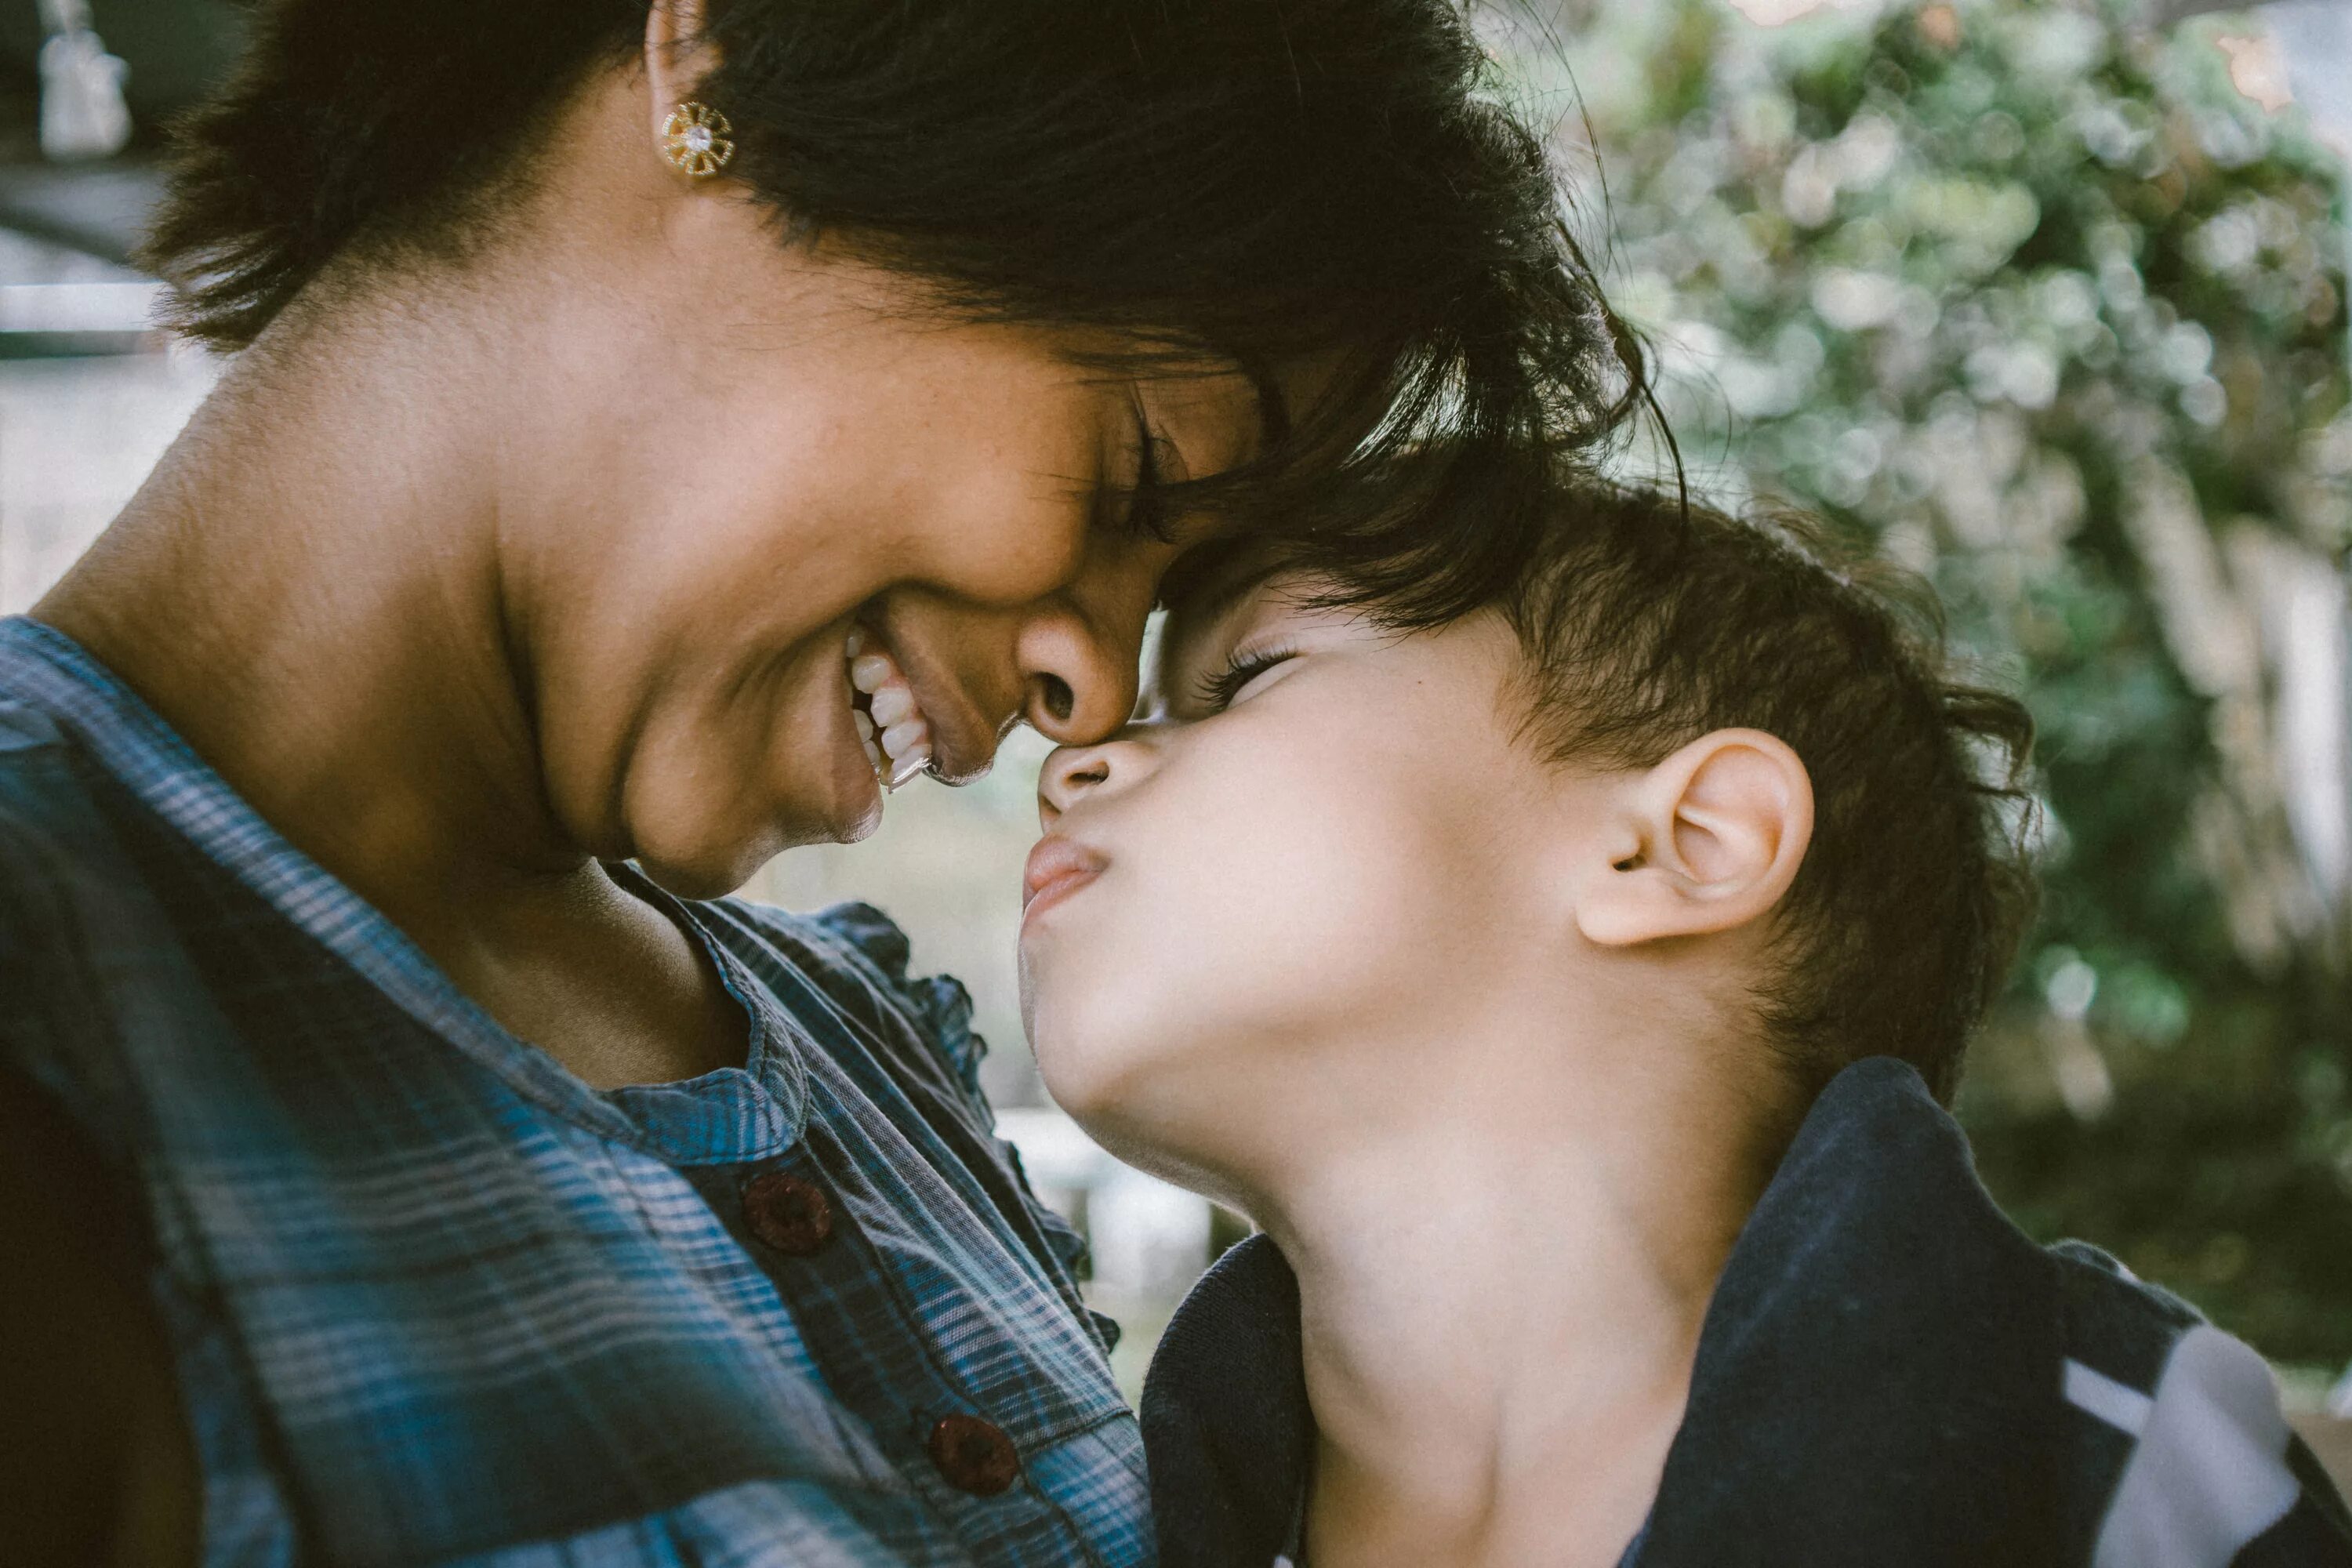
(2210, 1471)
(2119, 1405)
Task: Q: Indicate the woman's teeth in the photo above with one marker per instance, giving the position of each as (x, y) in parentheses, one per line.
(897, 739)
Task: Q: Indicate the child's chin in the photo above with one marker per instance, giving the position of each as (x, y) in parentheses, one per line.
(1074, 1078)
(1127, 1106)
(1098, 1087)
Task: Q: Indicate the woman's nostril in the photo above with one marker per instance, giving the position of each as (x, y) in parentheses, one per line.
(1060, 700)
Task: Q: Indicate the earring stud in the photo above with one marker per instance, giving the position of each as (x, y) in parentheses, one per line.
(698, 139)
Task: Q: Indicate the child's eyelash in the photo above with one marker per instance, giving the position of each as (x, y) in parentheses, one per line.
(1217, 692)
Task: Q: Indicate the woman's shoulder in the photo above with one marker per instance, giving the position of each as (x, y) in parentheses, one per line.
(90, 1369)
(60, 865)
(44, 795)
(60, 811)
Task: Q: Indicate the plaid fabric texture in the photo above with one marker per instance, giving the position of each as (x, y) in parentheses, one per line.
(435, 1301)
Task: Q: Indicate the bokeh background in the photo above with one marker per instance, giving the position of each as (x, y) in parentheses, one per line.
(2044, 300)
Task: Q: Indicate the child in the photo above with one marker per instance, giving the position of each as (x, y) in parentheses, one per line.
(1572, 990)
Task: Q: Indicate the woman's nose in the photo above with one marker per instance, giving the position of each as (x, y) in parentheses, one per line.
(1079, 658)
(1079, 689)
(1073, 772)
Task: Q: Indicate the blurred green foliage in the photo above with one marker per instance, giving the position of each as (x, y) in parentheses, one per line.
(2032, 298)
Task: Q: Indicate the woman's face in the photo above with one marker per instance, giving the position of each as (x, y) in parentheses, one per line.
(802, 454)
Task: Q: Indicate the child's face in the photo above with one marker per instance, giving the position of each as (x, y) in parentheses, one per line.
(1330, 838)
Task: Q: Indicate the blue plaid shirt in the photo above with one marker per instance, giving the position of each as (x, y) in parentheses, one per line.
(432, 1300)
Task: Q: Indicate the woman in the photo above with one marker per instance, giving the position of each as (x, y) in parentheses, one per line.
(649, 434)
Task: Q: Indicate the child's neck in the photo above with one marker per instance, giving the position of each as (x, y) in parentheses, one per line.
(1501, 1307)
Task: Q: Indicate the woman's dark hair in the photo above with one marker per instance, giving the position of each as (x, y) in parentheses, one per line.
(1231, 180)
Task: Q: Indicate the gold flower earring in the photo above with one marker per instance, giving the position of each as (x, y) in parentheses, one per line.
(698, 139)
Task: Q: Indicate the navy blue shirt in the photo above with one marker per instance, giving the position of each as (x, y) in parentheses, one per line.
(1890, 1372)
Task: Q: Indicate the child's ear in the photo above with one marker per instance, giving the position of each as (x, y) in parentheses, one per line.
(1707, 840)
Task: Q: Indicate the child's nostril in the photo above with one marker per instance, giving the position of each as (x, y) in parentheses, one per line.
(1060, 700)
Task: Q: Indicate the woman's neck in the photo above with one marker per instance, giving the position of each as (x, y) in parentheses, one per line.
(307, 589)
(1501, 1310)
(310, 591)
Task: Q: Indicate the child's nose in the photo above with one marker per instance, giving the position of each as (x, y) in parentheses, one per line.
(1072, 772)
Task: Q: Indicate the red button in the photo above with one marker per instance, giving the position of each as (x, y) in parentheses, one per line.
(973, 1455)
(789, 1215)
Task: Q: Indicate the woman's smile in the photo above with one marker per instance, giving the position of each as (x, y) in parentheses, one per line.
(887, 715)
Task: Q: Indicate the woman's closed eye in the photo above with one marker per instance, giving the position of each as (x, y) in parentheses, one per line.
(1222, 689)
(1147, 504)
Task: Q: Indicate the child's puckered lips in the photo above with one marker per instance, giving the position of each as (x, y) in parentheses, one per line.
(1057, 867)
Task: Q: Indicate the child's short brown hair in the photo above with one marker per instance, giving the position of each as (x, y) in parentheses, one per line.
(1647, 623)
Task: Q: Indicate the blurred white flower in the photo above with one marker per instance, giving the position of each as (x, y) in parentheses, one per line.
(2071, 988)
(2186, 352)
(1864, 152)
(1778, 13)
(2205, 401)
(2229, 242)
(1854, 301)
(2030, 379)
(1809, 190)
(2055, 42)
(2065, 298)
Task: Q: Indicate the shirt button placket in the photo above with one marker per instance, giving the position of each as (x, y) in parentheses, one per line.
(788, 1212)
(793, 1216)
(973, 1455)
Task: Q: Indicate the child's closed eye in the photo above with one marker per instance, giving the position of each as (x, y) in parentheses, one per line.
(1217, 691)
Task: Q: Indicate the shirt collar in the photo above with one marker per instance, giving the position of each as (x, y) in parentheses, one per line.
(732, 1115)
(1877, 1377)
